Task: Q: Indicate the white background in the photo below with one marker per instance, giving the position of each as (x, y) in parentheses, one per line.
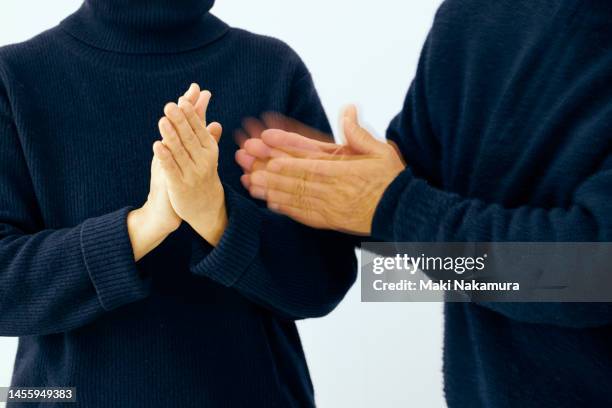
(362, 355)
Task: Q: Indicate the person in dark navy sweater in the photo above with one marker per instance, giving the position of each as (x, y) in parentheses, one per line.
(124, 301)
(506, 135)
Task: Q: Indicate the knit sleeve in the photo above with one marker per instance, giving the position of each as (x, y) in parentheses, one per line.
(412, 129)
(56, 280)
(415, 209)
(412, 210)
(294, 271)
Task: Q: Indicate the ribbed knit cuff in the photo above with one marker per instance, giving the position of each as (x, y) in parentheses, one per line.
(384, 216)
(239, 244)
(109, 258)
(410, 210)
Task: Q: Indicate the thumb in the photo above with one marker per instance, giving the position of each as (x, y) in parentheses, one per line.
(216, 130)
(357, 137)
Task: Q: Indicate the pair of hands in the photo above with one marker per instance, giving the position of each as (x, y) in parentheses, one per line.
(185, 184)
(320, 184)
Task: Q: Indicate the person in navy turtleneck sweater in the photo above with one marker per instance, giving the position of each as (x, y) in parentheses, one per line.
(119, 299)
(506, 137)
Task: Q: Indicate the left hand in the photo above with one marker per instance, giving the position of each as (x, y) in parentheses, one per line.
(329, 190)
(189, 155)
(257, 146)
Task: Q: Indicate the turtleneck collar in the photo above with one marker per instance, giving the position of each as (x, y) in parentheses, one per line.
(145, 26)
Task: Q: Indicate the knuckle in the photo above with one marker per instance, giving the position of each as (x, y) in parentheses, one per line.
(300, 201)
(181, 153)
(300, 188)
(188, 134)
(200, 171)
(187, 109)
(201, 134)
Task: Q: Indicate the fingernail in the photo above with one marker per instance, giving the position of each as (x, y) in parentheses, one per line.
(258, 193)
(246, 181)
(274, 207)
(171, 109)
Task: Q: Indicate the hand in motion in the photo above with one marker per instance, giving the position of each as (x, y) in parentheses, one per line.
(257, 146)
(322, 185)
(188, 156)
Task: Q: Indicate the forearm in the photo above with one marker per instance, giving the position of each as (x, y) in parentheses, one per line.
(295, 271)
(144, 235)
(211, 223)
(411, 210)
(57, 280)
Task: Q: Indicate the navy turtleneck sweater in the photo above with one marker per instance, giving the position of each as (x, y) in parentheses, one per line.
(507, 134)
(189, 325)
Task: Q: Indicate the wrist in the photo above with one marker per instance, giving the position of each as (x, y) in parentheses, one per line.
(211, 223)
(154, 222)
(144, 236)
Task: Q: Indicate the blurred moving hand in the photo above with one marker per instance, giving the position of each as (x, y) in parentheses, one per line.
(322, 185)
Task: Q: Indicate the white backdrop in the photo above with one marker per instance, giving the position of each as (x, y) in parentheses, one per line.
(362, 355)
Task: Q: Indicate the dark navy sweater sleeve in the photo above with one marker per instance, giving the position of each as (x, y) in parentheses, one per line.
(53, 281)
(253, 252)
(415, 209)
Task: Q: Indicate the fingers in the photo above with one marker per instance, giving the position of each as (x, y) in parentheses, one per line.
(172, 142)
(274, 120)
(199, 99)
(307, 169)
(253, 127)
(215, 130)
(196, 126)
(167, 162)
(257, 148)
(356, 136)
(307, 210)
(240, 137)
(261, 150)
(337, 155)
(350, 112)
(282, 139)
(245, 179)
(201, 105)
(244, 160)
(298, 187)
(278, 193)
(192, 94)
(180, 123)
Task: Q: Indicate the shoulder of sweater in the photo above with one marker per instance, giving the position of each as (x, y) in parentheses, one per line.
(28, 51)
(265, 47)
